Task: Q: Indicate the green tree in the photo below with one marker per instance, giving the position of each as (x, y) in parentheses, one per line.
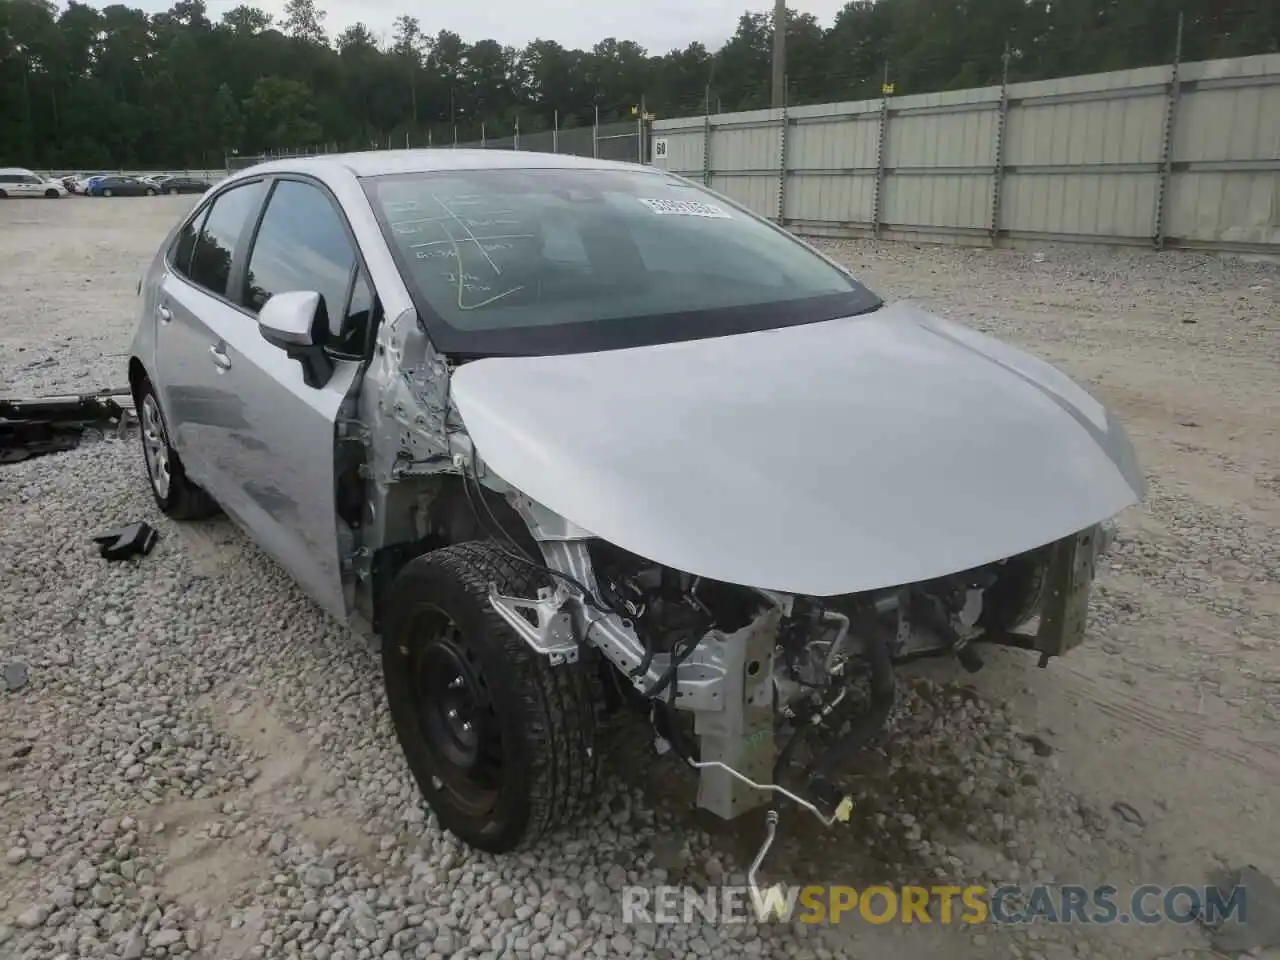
(86, 87)
(280, 115)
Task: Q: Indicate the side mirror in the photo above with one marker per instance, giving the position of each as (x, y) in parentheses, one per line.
(289, 319)
(296, 322)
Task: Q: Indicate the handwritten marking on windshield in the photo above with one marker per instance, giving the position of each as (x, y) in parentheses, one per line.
(463, 284)
(482, 240)
(491, 213)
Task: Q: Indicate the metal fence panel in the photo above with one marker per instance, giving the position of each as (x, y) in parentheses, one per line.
(1221, 125)
(1185, 154)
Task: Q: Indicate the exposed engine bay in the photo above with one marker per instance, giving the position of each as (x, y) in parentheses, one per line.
(757, 672)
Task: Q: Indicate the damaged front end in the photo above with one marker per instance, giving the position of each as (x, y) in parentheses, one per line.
(754, 674)
(764, 691)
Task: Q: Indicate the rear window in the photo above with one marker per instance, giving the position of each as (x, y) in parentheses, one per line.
(552, 260)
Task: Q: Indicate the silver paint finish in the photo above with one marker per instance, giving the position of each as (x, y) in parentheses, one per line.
(820, 459)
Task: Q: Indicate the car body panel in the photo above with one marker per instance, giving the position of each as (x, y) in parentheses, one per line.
(248, 429)
(819, 459)
(256, 437)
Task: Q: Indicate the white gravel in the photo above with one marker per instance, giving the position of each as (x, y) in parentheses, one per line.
(196, 762)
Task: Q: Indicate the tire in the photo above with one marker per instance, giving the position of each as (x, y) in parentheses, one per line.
(150, 192)
(172, 192)
(106, 193)
(51, 194)
(3, 195)
(176, 496)
(537, 720)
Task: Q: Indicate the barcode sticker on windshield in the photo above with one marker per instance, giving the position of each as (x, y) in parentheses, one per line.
(686, 208)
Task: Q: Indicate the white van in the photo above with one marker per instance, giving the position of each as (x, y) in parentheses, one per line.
(18, 182)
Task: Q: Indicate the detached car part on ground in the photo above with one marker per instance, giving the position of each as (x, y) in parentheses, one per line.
(44, 425)
(574, 437)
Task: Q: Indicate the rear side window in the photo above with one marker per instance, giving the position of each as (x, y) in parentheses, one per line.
(223, 227)
(185, 245)
(302, 244)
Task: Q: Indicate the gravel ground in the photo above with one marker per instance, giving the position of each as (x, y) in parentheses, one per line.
(195, 762)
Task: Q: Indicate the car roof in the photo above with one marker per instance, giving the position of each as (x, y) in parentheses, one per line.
(18, 170)
(375, 163)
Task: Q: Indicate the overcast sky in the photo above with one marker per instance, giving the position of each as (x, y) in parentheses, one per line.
(658, 25)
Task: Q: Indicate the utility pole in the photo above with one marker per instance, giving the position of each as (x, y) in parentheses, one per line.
(779, 91)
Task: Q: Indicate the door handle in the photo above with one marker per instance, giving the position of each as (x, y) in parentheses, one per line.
(165, 314)
(220, 359)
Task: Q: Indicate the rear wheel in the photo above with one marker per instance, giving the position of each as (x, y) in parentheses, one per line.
(150, 192)
(501, 743)
(3, 195)
(176, 496)
(172, 191)
(106, 193)
(51, 194)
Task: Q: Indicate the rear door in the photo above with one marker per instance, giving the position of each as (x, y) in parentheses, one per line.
(207, 420)
(284, 472)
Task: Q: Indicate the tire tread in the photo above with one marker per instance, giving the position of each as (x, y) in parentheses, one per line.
(558, 702)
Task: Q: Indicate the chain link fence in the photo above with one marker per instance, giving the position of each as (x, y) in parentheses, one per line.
(623, 141)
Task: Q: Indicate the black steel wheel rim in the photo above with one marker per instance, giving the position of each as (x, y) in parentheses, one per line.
(454, 711)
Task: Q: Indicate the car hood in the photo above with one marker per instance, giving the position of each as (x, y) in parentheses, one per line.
(819, 459)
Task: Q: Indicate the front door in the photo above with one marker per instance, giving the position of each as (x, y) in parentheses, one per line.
(283, 473)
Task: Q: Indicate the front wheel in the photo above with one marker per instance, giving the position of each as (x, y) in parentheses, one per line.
(150, 192)
(500, 742)
(172, 192)
(51, 194)
(106, 193)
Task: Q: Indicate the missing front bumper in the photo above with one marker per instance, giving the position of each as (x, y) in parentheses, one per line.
(1064, 605)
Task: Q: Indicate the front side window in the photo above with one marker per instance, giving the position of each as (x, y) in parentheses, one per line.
(359, 320)
(302, 244)
(216, 244)
(562, 260)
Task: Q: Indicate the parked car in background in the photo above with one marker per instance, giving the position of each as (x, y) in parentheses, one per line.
(21, 182)
(85, 182)
(121, 187)
(157, 178)
(175, 185)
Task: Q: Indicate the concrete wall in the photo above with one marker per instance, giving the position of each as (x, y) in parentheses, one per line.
(1151, 156)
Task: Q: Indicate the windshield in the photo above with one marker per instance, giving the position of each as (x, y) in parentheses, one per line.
(524, 261)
